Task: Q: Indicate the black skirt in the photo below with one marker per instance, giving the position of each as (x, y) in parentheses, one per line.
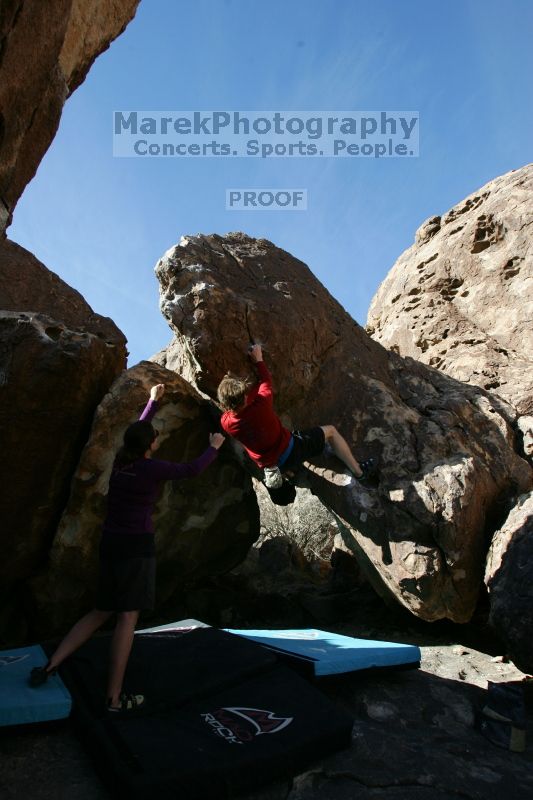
(126, 584)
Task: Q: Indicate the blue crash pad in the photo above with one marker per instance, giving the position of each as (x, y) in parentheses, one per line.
(332, 654)
(21, 704)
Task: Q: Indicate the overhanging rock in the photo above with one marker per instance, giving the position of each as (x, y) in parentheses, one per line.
(445, 451)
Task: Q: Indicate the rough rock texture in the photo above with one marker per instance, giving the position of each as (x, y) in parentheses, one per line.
(278, 585)
(57, 360)
(414, 737)
(27, 285)
(509, 579)
(57, 357)
(46, 50)
(51, 380)
(446, 454)
(307, 522)
(300, 569)
(461, 298)
(204, 526)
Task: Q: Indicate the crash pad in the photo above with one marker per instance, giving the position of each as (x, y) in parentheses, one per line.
(325, 653)
(20, 704)
(221, 716)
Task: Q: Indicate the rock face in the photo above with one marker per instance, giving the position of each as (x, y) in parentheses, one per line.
(307, 522)
(204, 526)
(57, 357)
(39, 72)
(446, 453)
(460, 298)
(57, 360)
(27, 285)
(52, 378)
(509, 579)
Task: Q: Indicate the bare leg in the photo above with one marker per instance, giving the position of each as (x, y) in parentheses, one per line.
(78, 635)
(339, 445)
(120, 652)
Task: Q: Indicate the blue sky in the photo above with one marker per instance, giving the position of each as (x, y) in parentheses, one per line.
(102, 222)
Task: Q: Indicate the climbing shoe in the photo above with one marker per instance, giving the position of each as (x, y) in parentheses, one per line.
(128, 702)
(368, 468)
(40, 675)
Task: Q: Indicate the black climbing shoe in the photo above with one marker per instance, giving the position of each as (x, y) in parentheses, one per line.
(40, 675)
(128, 702)
(369, 469)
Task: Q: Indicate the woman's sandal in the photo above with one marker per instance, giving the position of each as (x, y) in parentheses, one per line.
(128, 702)
(40, 675)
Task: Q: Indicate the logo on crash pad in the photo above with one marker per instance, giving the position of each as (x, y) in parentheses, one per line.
(5, 661)
(238, 725)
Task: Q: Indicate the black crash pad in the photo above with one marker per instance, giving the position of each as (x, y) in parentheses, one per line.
(221, 716)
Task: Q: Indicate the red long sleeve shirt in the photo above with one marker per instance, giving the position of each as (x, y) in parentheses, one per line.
(257, 426)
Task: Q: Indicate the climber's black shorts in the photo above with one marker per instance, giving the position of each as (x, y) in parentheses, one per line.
(308, 443)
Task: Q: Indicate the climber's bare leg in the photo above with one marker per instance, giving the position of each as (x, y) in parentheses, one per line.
(340, 447)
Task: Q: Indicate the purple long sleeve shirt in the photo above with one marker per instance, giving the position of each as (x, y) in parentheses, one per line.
(133, 492)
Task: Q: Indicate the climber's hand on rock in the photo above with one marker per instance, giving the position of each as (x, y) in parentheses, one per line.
(157, 391)
(256, 354)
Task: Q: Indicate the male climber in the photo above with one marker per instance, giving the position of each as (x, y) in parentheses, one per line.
(250, 418)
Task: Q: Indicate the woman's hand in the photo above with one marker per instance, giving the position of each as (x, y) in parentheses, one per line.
(156, 392)
(216, 440)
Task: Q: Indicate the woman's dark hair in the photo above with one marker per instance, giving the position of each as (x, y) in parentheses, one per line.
(137, 439)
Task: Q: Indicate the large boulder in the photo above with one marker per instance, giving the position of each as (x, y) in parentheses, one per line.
(57, 357)
(306, 522)
(46, 50)
(446, 454)
(460, 297)
(509, 579)
(57, 360)
(204, 526)
(51, 380)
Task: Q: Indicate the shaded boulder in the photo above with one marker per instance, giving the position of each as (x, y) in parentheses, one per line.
(57, 357)
(204, 526)
(460, 298)
(46, 50)
(446, 453)
(509, 579)
(51, 380)
(57, 360)
(306, 522)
